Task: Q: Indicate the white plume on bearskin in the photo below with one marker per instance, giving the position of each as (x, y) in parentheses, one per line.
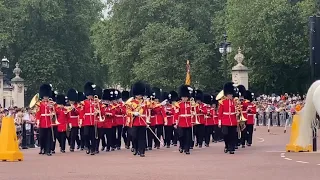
(308, 115)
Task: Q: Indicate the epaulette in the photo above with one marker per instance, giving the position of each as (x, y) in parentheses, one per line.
(81, 102)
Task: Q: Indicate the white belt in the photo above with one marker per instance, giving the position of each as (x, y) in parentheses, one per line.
(119, 115)
(250, 114)
(169, 116)
(231, 113)
(152, 116)
(244, 111)
(185, 115)
(46, 114)
(199, 114)
(215, 116)
(207, 116)
(89, 114)
(73, 116)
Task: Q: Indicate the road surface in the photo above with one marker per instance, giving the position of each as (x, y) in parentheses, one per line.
(265, 160)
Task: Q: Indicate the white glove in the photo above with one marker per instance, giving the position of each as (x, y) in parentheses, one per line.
(164, 102)
(219, 123)
(136, 114)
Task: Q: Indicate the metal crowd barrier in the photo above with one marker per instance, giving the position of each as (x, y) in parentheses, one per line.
(270, 119)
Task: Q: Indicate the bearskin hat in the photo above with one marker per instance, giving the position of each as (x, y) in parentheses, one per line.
(228, 88)
(198, 95)
(164, 95)
(98, 92)
(241, 90)
(81, 96)
(148, 90)
(45, 90)
(213, 100)
(89, 89)
(108, 94)
(207, 99)
(139, 88)
(61, 99)
(54, 95)
(173, 96)
(185, 91)
(156, 93)
(125, 95)
(249, 96)
(72, 95)
(117, 94)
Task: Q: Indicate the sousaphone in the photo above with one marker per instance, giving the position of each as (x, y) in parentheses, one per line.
(220, 95)
(34, 101)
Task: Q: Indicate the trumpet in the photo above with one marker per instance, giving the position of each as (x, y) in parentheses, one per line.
(97, 108)
(241, 119)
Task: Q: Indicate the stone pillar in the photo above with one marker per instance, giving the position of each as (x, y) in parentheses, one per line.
(1, 88)
(240, 72)
(18, 88)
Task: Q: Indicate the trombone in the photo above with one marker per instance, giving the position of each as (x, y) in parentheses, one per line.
(98, 111)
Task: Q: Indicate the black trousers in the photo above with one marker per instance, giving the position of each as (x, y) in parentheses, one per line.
(55, 137)
(243, 136)
(129, 137)
(118, 135)
(101, 138)
(175, 136)
(230, 137)
(217, 136)
(74, 137)
(249, 133)
(159, 133)
(208, 132)
(125, 135)
(90, 139)
(110, 137)
(45, 135)
(139, 138)
(114, 136)
(168, 131)
(199, 132)
(82, 138)
(150, 135)
(185, 138)
(62, 136)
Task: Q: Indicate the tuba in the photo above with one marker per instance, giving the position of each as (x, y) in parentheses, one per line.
(241, 119)
(54, 119)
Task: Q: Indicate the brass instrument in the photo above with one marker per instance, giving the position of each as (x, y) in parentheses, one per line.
(241, 119)
(54, 119)
(97, 108)
(220, 96)
(35, 101)
(193, 110)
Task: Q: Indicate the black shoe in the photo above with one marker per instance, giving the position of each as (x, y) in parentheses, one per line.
(215, 141)
(180, 150)
(231, 152)
(196, 145)
(132, 149)
(78, 147)
(206, 145)
(118, 148)
(168, 146)
(63, 151)
(92, 153)
(174, 144)
(81, 149)
(248, 144)
(135, 152)
(154, 146)
(41, 151)
(146, 149)
(53, 152)
(102, 149)
(200, 146)
(188, 152)
(49, 154)
(112, 149)
(108, 149)
(150, 148)
(25, 147)
(97, 152)
(158, 147)
(226, 150)
(236, 147)
(142, 155)
(71, 150)
(243, 146)
(87, 151)
(127, 147)
(191, 147)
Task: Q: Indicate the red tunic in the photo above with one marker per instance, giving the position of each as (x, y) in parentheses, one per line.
(215, 117)
(87, 112)
(44, 115)
(184, 115)
(62, 119)
(252, 110)
(120, 111)
(109, 117)
(73, 116)
(114, 120)
(158, 115)
(209, 118)
(227, 113)
(170, 111)
(244, 108)
(137, 106)
(201, 110)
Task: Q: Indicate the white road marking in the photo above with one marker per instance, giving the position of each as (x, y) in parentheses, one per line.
(260, 140)
(318, 164)
(302, 162)
(282, 155)
(288, 159)
(275, 151)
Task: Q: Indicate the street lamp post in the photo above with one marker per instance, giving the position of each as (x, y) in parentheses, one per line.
(225, 48)
(5, 63)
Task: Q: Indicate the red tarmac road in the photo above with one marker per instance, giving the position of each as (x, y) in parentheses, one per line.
(265, 160)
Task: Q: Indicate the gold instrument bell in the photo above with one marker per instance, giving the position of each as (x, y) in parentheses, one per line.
(220, 95)
(34, 101)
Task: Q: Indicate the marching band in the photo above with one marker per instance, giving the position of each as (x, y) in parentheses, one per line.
(144, 118)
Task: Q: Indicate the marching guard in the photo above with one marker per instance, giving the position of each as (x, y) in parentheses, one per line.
(81, 98)
(62, 123)
(73, 119)
(44, 119)
(125, 135)
(184, 119)
(243, 101)
(119, 118)
(137, 110)
(251, 112)
(170, 111)
(209, 118)
(228, 118)
(198, 118)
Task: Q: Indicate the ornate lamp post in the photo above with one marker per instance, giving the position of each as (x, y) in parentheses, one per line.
(225, 48)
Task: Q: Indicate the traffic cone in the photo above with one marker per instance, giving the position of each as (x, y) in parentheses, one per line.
(9, 145)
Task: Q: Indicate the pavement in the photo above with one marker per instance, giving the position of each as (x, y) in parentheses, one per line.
(265, 160)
